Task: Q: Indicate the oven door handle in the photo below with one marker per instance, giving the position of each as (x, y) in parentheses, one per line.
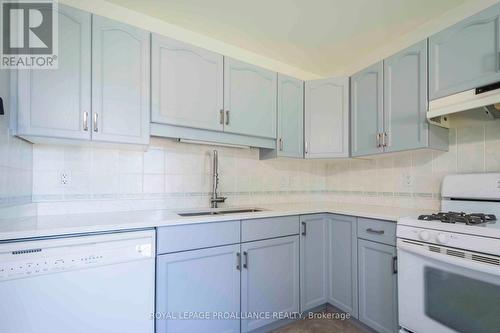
(443, 258)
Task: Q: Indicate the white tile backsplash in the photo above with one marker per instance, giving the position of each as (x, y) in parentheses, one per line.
(172, 174)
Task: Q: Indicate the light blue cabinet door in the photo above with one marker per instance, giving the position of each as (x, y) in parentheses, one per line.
(120, 82)
(377, 286)
(466, 55)
(405, 99)
(56, 103)
(250, 98)
(342, 263)
(197, 282)
(313, 261)
(327, 118)
(290, 117)
(269, 279)
(187, 85)
(367, 110)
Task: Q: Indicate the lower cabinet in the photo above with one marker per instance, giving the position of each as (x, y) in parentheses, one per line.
(377, 286)
(198, 281)
(313, 261)
(269, 279)
(342, 263)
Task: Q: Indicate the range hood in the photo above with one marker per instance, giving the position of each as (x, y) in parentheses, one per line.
(480, 103)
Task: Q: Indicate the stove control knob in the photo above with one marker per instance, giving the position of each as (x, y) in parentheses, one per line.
(424, 235)
(443, 238)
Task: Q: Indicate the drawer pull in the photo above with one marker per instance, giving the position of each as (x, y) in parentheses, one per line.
(377, 232)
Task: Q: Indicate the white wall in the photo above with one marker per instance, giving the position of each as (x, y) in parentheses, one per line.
(15, 157)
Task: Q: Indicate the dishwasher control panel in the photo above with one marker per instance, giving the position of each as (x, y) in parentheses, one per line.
(33, 258)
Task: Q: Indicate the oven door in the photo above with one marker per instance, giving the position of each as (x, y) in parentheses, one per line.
(443, 290)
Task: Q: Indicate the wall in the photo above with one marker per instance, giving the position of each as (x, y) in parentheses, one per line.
(382, 180)
(178, 175)
(15, 157)
(168, 175)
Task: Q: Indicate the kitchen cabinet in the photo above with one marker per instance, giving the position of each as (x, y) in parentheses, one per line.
(313, 261)
(120, 82)
(342, 263)
(113, 59)
(327, 118)
(198, 281)
(367, 110)
(187, 85)
(250, 94)
(56, 103)
(390, 103)
(269, 279)
(290, 141)
(465, 55)
(377, 286)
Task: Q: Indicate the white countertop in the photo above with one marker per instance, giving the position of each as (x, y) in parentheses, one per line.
(41, 226)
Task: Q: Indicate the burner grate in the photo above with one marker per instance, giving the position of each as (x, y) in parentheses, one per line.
(460, 217)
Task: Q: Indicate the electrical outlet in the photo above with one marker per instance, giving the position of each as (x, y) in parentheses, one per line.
(64, 178)
(407, 180)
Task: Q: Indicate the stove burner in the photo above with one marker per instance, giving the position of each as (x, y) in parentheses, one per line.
(455, 217)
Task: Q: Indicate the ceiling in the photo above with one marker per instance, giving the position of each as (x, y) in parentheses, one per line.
(318, 36)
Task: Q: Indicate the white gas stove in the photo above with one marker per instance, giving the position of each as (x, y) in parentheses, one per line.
(449, 262)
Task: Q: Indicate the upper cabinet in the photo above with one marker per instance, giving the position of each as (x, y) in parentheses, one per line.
(389, 105)
(327, 118)
(249, 99)
(113, 59)
(367, 110)
(466, 55)
(187, 85)
(290, 117)
(56, 103)
(405, 99)
(120, 82)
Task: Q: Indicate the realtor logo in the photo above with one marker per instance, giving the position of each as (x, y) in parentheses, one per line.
(29, 34)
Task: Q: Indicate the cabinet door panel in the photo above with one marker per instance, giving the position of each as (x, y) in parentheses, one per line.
(250, 97)
(327, 118)
(377, 286)
(198, 281)
(367, 110)
(342, 263)
(270, 280)
(120, 82)
(187, 85)
(290, 116)
(313, 259)
(466, 55)
(52, 103)
(405, 99)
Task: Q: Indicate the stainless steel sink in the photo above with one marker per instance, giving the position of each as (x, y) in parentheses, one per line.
(220, 212)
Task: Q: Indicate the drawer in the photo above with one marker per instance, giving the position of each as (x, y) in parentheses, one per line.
(377, 230)
(269, 228)
(196, 236)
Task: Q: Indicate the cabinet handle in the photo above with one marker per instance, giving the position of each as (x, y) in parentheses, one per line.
(372, 231)
(304, 229)
(85, 121)
(2, 111)
(280, 145)
(395, 265)
(306, 147)
(238, 261)
(221, 117)
(227, 117)
(386, 139)
(379, 140)
(96, 128)
(245, 264)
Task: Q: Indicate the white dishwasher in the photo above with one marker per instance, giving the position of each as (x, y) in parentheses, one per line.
(80, 284)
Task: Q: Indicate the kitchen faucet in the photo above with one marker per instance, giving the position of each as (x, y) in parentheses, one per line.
(215, 199)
